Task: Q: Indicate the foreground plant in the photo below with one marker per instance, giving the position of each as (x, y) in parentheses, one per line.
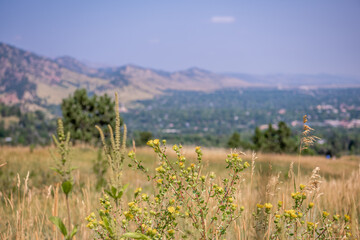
(179, 205)
(64, 170)
(115, 153)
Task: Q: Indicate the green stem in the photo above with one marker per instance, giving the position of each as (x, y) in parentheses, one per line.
(68, 211)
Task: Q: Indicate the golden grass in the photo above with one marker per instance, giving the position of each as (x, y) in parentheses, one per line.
(27, 204)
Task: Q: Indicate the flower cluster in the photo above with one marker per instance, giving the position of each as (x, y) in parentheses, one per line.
(105, 227)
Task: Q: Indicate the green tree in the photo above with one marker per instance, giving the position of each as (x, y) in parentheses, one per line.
(286, 141)
(143, 138)
(81, 113)
(234, 140)
(258, 139)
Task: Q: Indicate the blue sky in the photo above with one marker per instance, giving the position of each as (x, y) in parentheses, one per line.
(258, 37)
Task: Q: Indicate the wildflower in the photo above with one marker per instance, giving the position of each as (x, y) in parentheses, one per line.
(128, 215)
(220, 190)
(131, 154)
(171, 232)
(325, 214)
(192, 165)
(277, 216)
(131, 204)
(138, 190)
(212, 175)
(346, 218)
(311, 226)
(280, 203)
(234, 206)
(156, 142)
(336, 217)
(246, 165)
(159, 181)
(160, 169)
(259, 205)
(171, 209)
(302, 186)
(230, 199)
(144, 197)
(175, 148)
(90, 225)
(268, 205)
(198, 150)
(311, 204)
(150, 143)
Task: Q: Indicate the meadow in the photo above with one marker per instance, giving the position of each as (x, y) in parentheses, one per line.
(30, 190)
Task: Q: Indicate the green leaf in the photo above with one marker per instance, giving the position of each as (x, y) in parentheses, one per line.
(58, 222)
(135, 236)
(74, 231)
(121, 192)
(66, 187)
(125, 187)
(113, 191)
(57, 170)
(110, 193)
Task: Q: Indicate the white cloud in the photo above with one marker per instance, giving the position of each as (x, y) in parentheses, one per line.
(222, 19)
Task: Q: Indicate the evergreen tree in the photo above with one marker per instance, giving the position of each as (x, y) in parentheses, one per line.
(258, 139)
(81, 113)
(234, 141)
(285, 141)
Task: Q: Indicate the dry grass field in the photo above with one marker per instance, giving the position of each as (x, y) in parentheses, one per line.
(30, 194)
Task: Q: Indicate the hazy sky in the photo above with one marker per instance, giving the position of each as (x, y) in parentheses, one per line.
(263, 37)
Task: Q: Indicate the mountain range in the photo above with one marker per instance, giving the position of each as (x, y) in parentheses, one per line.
(37, 82)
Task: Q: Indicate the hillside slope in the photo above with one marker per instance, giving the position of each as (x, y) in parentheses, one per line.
(34, 80)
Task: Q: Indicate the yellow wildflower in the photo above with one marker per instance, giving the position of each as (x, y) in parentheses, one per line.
(156, 142)
(171, 209)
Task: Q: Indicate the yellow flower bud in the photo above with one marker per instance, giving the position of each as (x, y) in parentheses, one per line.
(171, 209)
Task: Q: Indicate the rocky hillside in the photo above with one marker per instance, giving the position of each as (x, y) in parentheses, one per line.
(37, 81)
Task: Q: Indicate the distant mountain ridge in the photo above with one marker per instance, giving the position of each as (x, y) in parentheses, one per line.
(37, 82)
